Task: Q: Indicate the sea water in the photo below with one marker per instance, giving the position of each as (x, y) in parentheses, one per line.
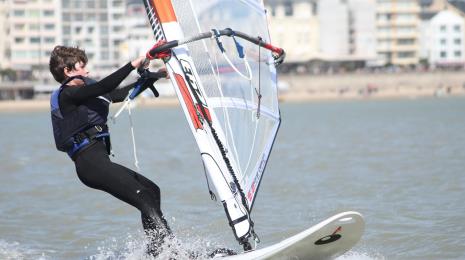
(398, 162)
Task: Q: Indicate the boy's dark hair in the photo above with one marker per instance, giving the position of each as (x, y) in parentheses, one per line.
(65, 57)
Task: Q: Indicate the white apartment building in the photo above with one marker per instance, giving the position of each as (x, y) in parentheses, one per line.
(294, 27)
(362, 29)
(98, 27)
(398, 24)
(4, 62)
(446, 39)
(33, 30)
(347, 29)
(333, 17)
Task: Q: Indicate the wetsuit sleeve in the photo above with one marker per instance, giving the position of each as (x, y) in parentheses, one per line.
(103, 86)
(119, 94)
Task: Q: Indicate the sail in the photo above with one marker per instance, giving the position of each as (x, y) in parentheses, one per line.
(233, 98)
(227, 89)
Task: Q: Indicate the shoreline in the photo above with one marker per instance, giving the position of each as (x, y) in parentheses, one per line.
(306, 96)
(321, 88)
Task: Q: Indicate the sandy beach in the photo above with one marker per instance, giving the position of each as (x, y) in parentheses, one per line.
(310, 88)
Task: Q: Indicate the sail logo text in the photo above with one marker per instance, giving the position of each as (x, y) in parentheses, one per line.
(192, 96)
(189, 72)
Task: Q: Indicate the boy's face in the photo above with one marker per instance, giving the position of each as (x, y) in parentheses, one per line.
(79, 70)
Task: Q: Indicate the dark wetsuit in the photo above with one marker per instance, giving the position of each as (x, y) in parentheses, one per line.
(96, 170)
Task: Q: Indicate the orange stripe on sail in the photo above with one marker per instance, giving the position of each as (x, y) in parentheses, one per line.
(188, 101)
(164, 10)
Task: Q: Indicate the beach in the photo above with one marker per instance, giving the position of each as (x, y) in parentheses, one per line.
(372, 85)
(310, 88)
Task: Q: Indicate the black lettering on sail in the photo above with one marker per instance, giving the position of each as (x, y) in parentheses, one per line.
(188, 71)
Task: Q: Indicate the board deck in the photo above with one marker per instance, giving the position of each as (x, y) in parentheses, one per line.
(326, 240)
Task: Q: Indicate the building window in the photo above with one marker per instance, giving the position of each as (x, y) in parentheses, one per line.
(34, 54)
(34, 27)
(78, 17)
(33, 13)
(76, 4)
(457, 54)
(20, 26)
(104, 55)
(104, 43)
(48, 13)
(117, 3)
(314, 8)
(443, 28)
(288, 8)
(49, 40)
(66, 30)
(19, 40)
(104, 30)
(405, 17)
(457, 41)
(443, 41)
(18, 13)
(19, 54)
(406, 54)
(443, 54)
(103, 4)
(457, 28)
(49, 26)
(118, 28)
(406, 41)
(34, 40)
(91, 17)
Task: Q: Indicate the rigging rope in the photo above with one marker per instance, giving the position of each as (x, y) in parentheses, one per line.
(217, 36)
(127, 104)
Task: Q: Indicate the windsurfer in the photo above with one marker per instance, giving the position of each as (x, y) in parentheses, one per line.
(79, 114)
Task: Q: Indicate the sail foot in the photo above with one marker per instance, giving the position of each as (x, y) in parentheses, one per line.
(239, 221)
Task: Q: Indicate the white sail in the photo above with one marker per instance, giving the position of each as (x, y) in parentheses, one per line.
(227, 88)
(233, 98)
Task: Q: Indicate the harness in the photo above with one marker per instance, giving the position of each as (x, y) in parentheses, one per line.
(86, 138)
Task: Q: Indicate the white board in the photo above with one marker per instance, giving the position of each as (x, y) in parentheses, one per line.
(326, 240)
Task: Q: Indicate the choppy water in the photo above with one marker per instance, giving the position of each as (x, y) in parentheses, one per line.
(400, 163)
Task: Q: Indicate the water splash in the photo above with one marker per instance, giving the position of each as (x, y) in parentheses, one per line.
(133, 247)
(14, 250)
(360, 256)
